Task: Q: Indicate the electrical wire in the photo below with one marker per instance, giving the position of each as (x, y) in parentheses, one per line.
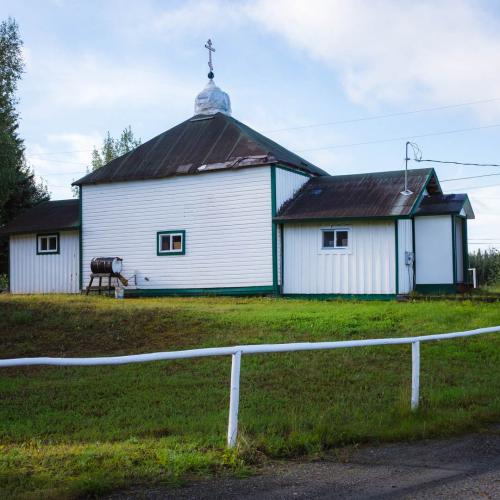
(470, 177)
(403, 138)
(475, 187)
(388, 115)
(460, 163)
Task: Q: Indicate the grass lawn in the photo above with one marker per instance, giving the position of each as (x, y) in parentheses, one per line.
(77, 431)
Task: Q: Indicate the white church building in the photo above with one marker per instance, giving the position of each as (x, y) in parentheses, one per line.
(214, 207)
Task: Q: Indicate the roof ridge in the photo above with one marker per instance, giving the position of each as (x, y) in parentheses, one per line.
(384, 172)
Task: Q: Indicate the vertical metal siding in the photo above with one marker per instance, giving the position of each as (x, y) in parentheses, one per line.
(405, 244)
(226, 216)
(433, 250)
(287, 184)
(369, 268)
(32, 273)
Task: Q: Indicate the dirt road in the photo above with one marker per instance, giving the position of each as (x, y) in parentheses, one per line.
(461, 467)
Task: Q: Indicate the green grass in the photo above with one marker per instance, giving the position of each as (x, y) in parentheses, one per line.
(84, 431)
(492, 288)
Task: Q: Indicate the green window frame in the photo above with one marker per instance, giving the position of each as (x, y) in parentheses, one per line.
(167, 242)
(48, 244)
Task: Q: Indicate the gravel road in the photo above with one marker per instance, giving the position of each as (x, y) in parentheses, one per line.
(461, 467)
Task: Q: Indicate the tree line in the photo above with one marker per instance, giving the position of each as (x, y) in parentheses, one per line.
(487, 264)
(19, 188)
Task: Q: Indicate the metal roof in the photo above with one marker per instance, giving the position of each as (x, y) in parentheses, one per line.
(48, 216)
(444, 204)
(371, 195)
(201, 144)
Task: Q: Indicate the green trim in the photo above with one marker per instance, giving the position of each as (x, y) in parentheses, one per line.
(168, 254)
(341, 296)
(54, 233)
(337, 220)
(436, 288)
(80, 236)
(299, 172)
(416, 203)
(9, 272)
(192, 292)
(454, 247)
(465, 251)
(397, 255)
(282, 256)
(274, 235)
(414, 253)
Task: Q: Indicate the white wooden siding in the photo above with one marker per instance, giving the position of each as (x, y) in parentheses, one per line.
(226, 216)
(287, 184)
(433, 250)
(50, 273)
(369, 267)
(405, 244)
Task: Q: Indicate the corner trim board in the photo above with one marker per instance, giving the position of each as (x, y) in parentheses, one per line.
(454, 247)
(396, 236)
(80, 238)
(274, 236)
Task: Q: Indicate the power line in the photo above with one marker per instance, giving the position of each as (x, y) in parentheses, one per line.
(470, 177)
(388, 115)
(394, 139)
(459, 163)
(61, 152)
(61, 161)
(475, 187)
(82, 172)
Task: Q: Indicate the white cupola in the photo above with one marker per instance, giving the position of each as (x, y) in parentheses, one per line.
(211, 99)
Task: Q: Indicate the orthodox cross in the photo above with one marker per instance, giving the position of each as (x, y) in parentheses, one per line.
(208, 46)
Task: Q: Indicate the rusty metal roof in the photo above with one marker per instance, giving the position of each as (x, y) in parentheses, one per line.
(48, 216)
(201, 144)
(358, 196)
(444, 204)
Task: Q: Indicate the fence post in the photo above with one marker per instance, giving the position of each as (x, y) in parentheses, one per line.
(415, 374)
(234, 401)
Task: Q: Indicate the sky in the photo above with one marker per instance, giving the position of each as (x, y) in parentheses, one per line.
(318, 76)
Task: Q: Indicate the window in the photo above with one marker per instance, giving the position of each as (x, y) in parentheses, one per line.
(335, 239)
(171, 242)
(47, 243)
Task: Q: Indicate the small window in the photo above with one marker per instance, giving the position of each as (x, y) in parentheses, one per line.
(171, 242)
(47, 243)
(335, 239)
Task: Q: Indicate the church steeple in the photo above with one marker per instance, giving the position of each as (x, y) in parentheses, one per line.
(211, 99)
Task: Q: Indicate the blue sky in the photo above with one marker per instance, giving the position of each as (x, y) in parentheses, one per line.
(95, 66)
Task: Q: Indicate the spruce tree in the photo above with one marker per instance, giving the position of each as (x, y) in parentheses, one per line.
(18, 187)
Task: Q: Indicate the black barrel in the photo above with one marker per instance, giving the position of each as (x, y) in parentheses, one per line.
(106, 265)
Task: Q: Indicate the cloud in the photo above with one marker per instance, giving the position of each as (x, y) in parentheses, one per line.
(386, 51)
(70, 162)
(79, 81)
(196, 17)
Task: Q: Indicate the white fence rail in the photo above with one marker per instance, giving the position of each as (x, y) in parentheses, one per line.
(236, 353)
